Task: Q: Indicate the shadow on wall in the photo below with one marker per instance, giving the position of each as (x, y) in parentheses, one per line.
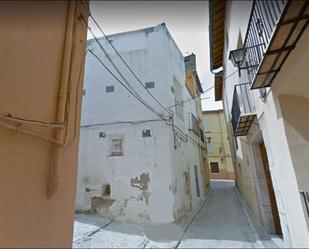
(295, 112)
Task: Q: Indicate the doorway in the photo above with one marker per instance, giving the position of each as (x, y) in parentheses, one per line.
(271, 192)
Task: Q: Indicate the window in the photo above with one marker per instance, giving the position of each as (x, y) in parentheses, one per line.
(214, 167)
(109, 89)
(197, 182)
(147, 133)
(106, 190)
(193, 124)
(101, 134)
(208, 140)
(84, 92)
(209, 145)
(150, 84)
(116, 147)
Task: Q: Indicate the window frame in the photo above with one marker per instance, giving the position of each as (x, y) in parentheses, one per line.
(211, 167)
(112, 151)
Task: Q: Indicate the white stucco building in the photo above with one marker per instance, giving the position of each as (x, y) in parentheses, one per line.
(266, 107)
(132, 164)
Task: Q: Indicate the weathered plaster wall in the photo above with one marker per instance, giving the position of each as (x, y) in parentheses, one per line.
(36, 36)
(153, 56)
(141, 158)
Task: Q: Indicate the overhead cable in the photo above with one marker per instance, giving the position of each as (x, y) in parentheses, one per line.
(126, 87)
(126, 64)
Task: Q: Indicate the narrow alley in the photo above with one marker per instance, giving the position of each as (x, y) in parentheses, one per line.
(154, 124)
(221, 222)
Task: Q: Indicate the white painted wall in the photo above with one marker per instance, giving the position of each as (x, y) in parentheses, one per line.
(153, 56)
(283, 135)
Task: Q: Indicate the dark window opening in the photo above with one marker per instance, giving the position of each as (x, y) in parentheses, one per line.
(109, 89)
(150, 84)
(197, 182)
(146, 133)
(236, 143)
(106, 190)
(214, 167)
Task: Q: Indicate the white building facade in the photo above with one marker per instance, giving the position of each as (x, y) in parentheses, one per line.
(266, 108)
(133, 165)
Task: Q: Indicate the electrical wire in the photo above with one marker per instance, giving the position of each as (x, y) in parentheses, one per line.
(174, 126)
(123, 122)
(126, 64)
(130, 91)
(106, 54)
(185, 101)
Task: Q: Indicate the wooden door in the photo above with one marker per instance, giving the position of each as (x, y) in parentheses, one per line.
(271, 193)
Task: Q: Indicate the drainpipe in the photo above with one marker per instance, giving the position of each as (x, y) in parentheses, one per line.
(59, 134)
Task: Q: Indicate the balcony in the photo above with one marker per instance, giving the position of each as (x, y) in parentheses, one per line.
(193, 125)
(242, 110)
(202, 135)
(273, 31)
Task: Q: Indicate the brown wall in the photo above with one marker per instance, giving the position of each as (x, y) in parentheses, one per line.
(223, 174)
(41, 78)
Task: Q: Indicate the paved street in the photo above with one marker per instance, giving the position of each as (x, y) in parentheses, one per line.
(221, 222)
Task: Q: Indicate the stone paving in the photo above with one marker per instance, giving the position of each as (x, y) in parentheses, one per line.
(221, 223)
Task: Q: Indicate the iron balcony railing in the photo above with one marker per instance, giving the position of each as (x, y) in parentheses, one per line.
(194, 124)
(242, 109)
(235, 112)
(274, 28)
(202, 135)
(262, 23)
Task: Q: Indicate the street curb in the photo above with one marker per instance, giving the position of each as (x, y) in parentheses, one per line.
(91, 233)
(244, 207)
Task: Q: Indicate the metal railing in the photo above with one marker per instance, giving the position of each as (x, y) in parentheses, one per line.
(242, 103)
(262, 24)
(202, 135)
(194, 124)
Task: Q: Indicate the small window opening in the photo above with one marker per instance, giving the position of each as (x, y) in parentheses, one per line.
(109, 89)
(147, 133)
(106, 190)
(214, 167)
(150, 84)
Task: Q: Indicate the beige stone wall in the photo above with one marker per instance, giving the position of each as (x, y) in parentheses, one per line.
(42, 50)
(218, 147)
(192, 87)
